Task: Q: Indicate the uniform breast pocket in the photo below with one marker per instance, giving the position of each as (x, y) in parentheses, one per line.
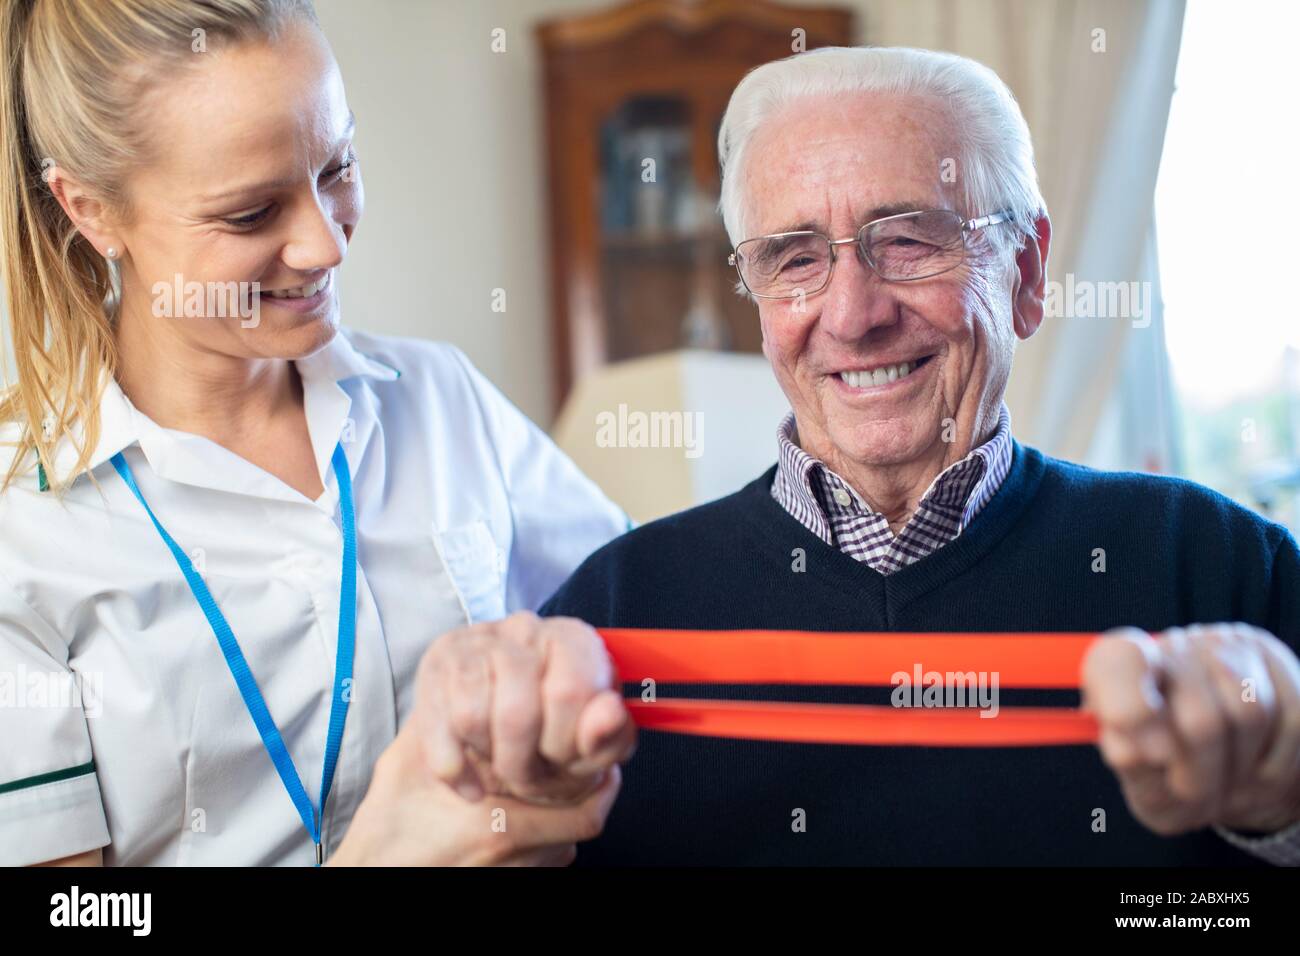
(476, 566)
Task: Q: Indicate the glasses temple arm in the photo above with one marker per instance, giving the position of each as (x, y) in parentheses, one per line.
(992, 219)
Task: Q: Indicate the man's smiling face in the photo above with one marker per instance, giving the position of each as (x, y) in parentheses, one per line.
(832, 164)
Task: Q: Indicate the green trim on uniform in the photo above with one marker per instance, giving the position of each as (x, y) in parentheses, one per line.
(52, 777)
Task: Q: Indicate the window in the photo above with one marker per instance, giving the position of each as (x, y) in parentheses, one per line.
(1228, 225)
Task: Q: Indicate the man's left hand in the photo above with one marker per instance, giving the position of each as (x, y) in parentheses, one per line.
(1201, 725)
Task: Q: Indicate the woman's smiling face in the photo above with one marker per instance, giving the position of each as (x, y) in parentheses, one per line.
(253, 180)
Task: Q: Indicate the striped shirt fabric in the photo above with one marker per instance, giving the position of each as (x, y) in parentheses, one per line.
(828, 506)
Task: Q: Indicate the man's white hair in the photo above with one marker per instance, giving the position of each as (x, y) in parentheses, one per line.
(995, 165)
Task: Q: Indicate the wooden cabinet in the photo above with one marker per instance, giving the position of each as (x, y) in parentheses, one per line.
(634, 97)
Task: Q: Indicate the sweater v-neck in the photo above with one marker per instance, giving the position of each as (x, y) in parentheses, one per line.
(889, 592)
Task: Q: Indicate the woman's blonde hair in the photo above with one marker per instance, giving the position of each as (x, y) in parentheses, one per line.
(74, 77)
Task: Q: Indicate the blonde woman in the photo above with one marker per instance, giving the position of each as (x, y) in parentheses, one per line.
(230, 532)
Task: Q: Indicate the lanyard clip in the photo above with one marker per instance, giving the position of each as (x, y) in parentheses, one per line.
(320, 854)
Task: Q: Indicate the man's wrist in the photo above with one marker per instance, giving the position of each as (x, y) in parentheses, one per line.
(1268, 823)
(1281, 848)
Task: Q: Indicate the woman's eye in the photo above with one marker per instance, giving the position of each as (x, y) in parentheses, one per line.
(252, 219)
(338, 171)
(330, 176)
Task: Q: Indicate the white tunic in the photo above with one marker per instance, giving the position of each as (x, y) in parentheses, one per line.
(120, 724)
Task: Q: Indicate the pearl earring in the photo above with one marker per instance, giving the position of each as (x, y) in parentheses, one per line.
(112, 252)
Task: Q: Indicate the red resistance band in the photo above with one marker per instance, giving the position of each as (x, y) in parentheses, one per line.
(1046, 660)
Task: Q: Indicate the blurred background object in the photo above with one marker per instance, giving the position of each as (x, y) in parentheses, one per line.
(634, 97)
(674, 429)
(1232, 322)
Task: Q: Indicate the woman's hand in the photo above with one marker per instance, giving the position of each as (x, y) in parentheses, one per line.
(510, 756)
(411, 818)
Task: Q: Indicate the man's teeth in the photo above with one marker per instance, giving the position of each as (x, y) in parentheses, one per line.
(302, 292)
(878, 376)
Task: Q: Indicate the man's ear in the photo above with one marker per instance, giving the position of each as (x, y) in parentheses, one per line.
(1031, 285)
(87, 212)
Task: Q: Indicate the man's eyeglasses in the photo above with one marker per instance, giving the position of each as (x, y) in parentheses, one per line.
(902, 248)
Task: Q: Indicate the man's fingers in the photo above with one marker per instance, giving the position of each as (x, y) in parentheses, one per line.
(1199, 772)
(442, 750)
(452, 708)
(531, 826)
(1200, 724)
(578, 669)
(1280, 761)
(523, 706)
(1232, 660)
(1121, 678)
(516, 714)
(606, 734)
(466, 681)
(445, 752)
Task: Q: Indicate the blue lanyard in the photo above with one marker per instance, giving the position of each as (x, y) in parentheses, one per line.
(243, 675)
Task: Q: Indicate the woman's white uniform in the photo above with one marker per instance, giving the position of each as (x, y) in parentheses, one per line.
(120, 723)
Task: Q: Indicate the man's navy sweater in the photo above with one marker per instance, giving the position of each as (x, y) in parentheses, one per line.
(1175, 553)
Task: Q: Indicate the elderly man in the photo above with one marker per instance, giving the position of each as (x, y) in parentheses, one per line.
(886, 218)
(887, 221)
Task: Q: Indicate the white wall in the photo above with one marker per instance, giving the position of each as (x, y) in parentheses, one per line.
(452, 158)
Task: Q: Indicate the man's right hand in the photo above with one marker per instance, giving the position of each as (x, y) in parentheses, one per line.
(510, 757)
(524, 706)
